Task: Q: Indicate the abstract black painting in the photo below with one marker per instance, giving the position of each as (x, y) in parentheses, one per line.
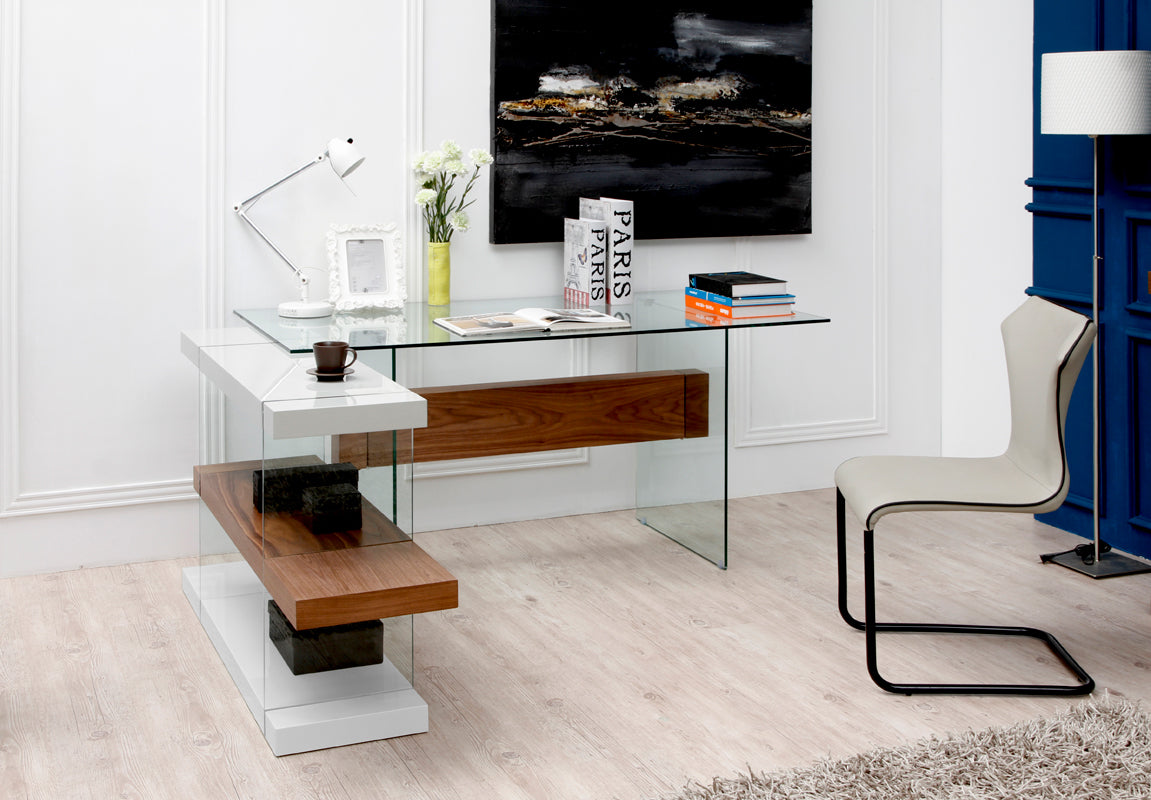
(700, 112)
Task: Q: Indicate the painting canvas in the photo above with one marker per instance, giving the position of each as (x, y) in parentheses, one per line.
(698, 112)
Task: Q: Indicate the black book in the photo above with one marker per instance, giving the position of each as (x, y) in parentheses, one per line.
(737, 284)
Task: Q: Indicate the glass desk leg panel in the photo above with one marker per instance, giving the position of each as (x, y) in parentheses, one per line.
(681, 484)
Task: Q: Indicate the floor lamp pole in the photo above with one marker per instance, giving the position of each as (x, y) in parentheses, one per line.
(1102, 564)
(1095, 386)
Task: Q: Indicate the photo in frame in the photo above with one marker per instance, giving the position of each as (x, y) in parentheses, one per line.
(365, 267)
(699, 112)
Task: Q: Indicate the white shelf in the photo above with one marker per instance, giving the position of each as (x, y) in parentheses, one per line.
(244, 365)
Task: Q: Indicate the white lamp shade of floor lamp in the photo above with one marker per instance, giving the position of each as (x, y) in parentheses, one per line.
(1096, 93)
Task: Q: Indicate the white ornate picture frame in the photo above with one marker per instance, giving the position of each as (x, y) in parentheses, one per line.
(365, 267)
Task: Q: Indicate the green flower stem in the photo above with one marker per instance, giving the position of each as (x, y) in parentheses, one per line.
(438, 212)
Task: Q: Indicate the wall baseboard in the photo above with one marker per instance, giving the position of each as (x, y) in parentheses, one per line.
(96, 537)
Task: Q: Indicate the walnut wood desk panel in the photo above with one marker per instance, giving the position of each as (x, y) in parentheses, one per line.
(550, 414)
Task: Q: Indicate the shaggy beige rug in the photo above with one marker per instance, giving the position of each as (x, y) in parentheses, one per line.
(1100, 750)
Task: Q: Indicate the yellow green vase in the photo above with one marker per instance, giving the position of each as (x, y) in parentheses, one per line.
(439, 273)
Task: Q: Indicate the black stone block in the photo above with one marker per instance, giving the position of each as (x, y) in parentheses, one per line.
(334, 508)
(282, 488)
(358, 644)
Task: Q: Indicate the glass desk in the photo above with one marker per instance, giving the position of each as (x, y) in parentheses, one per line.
(673, 406)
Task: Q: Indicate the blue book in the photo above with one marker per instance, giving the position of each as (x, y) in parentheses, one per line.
(754, 300)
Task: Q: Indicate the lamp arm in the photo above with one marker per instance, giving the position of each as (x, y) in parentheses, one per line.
(247, 203)
(241, 210)
(299, 273)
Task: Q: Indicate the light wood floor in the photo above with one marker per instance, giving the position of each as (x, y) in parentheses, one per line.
(589, 658)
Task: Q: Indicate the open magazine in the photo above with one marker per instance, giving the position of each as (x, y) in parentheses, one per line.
(531, 319)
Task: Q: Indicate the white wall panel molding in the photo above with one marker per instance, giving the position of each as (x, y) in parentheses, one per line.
(99, 497)
(575, 457)
(742, 355)
(9, 249)
(13, 501)
(216, 207)
(413, 142)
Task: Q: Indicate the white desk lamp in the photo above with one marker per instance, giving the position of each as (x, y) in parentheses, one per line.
(1096, 93)
(344, 158)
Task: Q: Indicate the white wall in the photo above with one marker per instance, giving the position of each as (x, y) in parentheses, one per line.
(130, 129)
(986, 231)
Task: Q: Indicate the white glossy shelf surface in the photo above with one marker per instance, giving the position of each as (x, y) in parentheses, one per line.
(245, 366)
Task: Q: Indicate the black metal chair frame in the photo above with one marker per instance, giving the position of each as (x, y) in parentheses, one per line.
(872, 628)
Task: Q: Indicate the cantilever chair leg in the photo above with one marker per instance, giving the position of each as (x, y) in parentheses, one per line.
(871, 628)
(841, 550)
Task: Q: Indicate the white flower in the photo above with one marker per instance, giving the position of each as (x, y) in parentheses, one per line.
(459, 221)
(444, 203)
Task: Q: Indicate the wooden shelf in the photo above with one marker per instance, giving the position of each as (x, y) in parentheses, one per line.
(327, 579)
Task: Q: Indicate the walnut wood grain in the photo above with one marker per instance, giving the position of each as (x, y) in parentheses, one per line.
(341, 586)
(228, 488)
(328, 579)
(529, 416)
(695, 407)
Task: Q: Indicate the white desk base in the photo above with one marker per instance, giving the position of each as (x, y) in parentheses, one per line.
(308, 712)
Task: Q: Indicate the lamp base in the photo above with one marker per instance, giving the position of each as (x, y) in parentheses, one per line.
(1108, 565)
(305, 309)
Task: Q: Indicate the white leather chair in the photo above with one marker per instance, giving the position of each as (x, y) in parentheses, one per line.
(1045, 345)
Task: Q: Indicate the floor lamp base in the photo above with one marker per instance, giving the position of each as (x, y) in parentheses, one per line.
(1109, 565)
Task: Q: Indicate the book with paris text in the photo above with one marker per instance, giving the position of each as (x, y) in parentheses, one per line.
(596, 213)
(621, 240)
(577, 266)
(738, 284)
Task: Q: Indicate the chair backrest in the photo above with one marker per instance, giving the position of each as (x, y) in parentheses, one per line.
(1046, 346)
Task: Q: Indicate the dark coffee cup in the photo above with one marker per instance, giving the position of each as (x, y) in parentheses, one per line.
(333, 356)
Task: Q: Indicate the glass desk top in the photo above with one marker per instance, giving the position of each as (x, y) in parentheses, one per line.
(414, 326)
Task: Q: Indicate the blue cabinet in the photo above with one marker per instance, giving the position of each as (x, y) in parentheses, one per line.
(1062, 232)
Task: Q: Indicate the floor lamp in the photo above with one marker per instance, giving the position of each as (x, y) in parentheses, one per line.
(1096, 93)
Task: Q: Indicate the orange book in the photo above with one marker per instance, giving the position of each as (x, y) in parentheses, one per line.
(738, 312)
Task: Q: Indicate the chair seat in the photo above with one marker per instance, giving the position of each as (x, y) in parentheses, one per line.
(874, 486)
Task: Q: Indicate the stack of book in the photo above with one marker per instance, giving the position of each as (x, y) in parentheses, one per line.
(720, 298)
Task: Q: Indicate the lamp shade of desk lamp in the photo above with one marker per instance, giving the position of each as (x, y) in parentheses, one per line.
(344, 158)
(1096, 93)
